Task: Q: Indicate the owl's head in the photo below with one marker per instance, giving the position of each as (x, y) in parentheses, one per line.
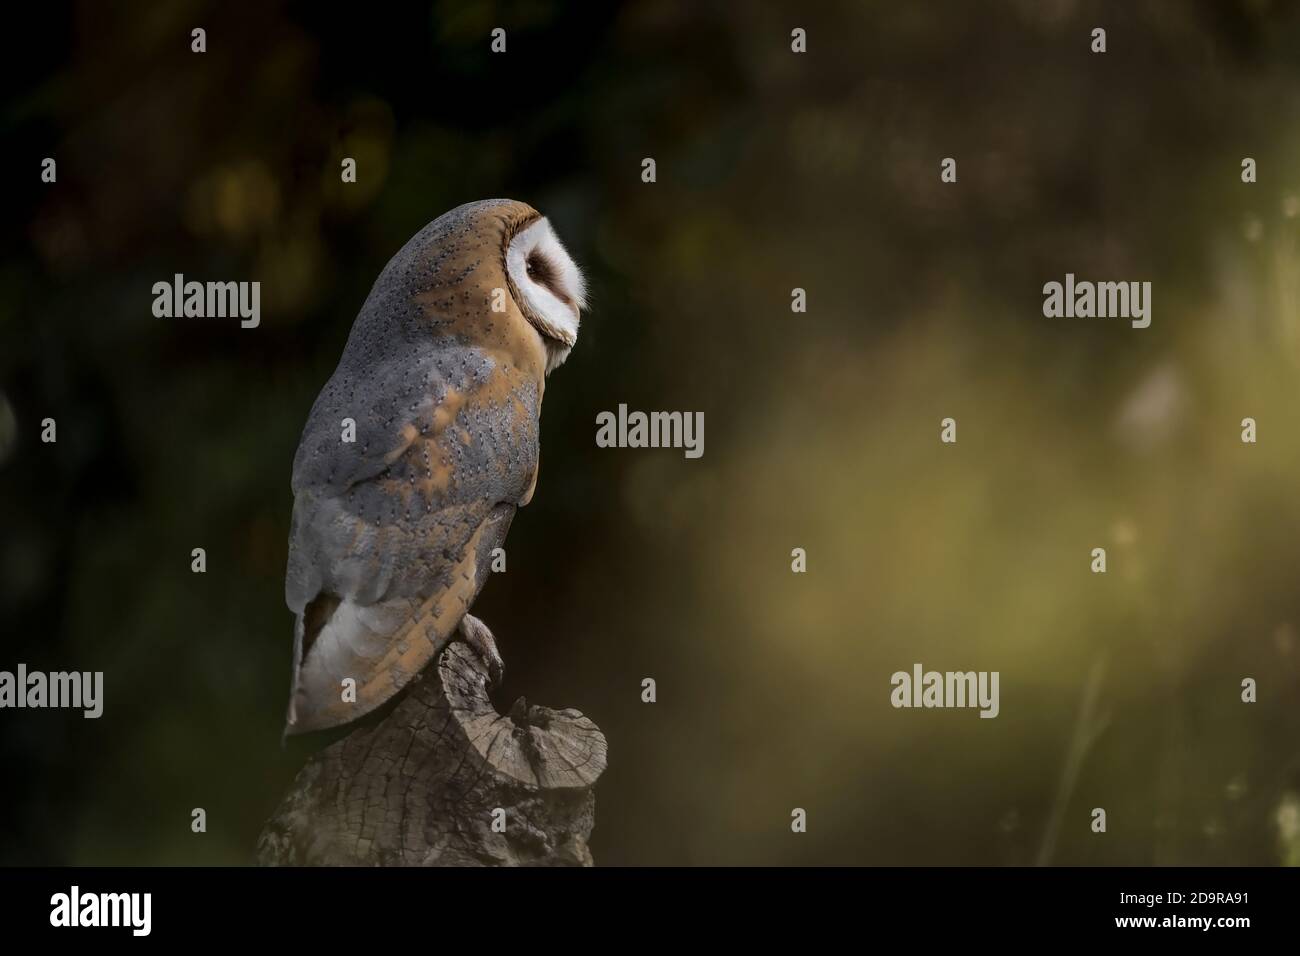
(547, 285)
(490, 273)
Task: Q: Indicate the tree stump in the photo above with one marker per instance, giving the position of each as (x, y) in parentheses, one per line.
(425, 784)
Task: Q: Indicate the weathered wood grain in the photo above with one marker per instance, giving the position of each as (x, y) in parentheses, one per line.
(418, 786)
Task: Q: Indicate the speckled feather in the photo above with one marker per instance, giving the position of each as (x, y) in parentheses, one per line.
(392, 535)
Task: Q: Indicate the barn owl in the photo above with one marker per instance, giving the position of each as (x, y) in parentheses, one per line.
(442, 380)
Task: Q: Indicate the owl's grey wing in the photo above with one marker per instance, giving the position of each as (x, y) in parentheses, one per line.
(393, 534)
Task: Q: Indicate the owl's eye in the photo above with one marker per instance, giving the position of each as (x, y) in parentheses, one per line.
(539, 268)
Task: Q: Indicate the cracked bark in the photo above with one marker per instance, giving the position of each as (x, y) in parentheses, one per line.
(419, 786)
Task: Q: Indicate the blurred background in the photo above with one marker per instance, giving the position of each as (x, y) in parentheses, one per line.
(775, 171)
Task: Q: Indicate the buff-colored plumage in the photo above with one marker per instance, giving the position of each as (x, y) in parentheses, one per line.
(393, 534)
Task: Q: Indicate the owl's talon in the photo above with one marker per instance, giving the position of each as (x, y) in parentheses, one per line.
(476, 634)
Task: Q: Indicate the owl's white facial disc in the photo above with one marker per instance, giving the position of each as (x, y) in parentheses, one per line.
(550, 285)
